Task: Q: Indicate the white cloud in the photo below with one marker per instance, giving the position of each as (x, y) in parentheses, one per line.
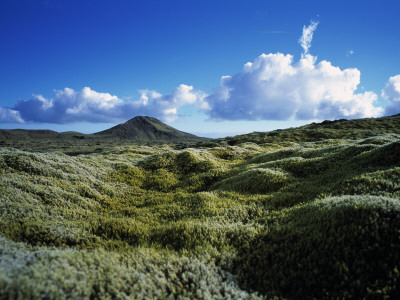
(166, 107)
(307, 36)
(87, 105)
(273, 87)
(349, 53)
(10, 116)
(392, 93)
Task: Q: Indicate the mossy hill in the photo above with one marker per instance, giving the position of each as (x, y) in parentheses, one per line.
(304, 213)
(336, 129)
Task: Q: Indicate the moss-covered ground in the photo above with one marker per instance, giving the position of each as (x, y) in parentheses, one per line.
(295, 219)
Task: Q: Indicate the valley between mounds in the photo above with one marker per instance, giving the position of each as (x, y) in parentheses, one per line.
(301, 213)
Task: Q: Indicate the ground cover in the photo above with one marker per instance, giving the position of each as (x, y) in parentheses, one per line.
(287, 218)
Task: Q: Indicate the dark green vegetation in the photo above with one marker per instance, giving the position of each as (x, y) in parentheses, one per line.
(303, 213)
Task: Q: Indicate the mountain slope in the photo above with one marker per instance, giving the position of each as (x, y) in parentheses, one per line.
(147, 129)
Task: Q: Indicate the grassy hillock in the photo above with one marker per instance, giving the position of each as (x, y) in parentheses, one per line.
(308, 218)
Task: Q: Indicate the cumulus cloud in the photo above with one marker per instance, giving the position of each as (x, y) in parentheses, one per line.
(10, 116)
(273, 87)
(392, 93)
(87, 105)
(307, 36)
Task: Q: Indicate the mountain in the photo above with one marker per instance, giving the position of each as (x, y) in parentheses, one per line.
(148, 129)
(138, 129)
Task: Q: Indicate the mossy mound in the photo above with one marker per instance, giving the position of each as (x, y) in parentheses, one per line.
(339, 247)
(378, 183)
(185, 170)
(183, 162)
(384, 156)
(28, 272)
(258, 181)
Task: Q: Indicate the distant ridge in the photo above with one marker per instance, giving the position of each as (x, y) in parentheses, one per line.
(144, 129)
(139, 129)
(25, 133)
(336, 129)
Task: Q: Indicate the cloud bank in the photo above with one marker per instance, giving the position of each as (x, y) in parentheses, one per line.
(273, 87)
(392, 93)
(87, 105)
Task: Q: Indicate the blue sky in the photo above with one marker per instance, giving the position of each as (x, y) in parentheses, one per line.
(88, 65)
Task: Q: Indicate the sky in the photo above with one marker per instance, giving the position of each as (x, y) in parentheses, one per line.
(212, 68)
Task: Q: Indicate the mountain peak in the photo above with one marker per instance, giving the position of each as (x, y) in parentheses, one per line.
(144, 128)
(139, 118)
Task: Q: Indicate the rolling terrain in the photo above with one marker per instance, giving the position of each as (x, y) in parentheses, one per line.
(303, 213)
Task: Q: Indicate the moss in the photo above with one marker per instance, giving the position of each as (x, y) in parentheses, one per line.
(190, 235)
(206, 216)
(333, 248)
(380, 183)
(161, 180)
(131, 175)
(256, 180)
(384, 156)
(33, 273)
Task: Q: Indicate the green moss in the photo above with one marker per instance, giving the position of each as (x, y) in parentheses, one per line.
(34, 273)
(384, 156)
(131, 175)
(259, 181)
(161, 180)
(209, 217)
(333, 248)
